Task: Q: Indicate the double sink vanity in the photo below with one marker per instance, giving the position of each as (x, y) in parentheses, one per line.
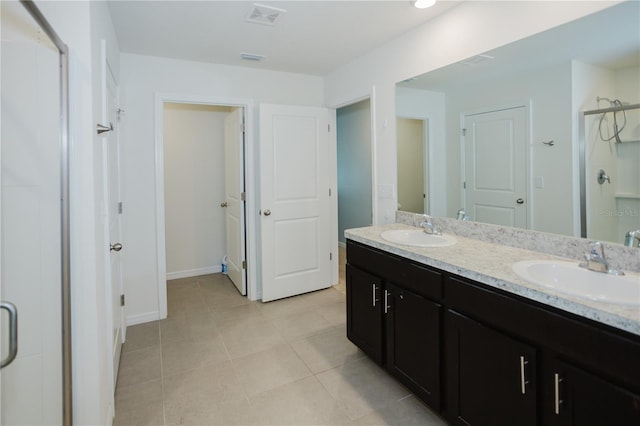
(493, 333)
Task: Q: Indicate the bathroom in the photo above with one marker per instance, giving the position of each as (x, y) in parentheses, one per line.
(84, 25)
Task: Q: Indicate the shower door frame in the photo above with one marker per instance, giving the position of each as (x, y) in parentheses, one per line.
(65, 255)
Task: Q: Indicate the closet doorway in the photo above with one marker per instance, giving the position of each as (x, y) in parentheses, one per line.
(203, 147)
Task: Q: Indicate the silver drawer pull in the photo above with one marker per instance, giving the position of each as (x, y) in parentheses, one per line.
(386, 302)
(374, 290)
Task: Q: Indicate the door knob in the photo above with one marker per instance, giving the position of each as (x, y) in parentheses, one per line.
(267, 212)
(520, 201)
(116, 247)
(224, 204)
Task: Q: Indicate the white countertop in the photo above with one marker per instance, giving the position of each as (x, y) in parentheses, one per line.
(490, 264)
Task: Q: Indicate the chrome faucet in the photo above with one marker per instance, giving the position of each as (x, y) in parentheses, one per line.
(596, 260)
(462, 215)
(632, 238)
(428, 224)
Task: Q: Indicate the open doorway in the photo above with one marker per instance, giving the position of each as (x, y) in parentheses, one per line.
(203, 224)
(413, 163)
(355, 173)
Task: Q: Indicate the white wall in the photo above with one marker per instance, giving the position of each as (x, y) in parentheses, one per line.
(142, 78)
(194, 173)
(82, 26)
(464, 31)
(354, 166)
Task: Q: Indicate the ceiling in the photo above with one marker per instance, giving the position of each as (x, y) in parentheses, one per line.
(311, 37)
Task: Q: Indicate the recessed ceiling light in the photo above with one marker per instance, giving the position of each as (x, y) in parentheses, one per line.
(423, 4)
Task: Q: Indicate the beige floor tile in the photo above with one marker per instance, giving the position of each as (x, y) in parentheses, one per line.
(335, 313)
(361, 386)
(304, 402)
(283, 307)
(183, 355)
(405, 412)
(322, 296)
(199, 411)
(142, 336)
(327, 350)
(218, 382)
(237, 314)
(244, 339)
(195, 326)
(301, 324)
(139, 366)
(269, 369)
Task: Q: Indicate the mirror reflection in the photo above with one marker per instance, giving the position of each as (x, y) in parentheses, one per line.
(502, 131)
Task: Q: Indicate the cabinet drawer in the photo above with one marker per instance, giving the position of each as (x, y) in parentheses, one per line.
(412, 276)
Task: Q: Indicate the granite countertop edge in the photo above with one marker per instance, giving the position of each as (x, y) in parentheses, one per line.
(490, 264)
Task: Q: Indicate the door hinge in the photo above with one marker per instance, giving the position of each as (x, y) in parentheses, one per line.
(243, 196)
(120, 207)
(244, 264)
(330, 256)
(119, 113)
(464, 132)
(328, 127)
(329, 192)
(122, 300)
(464, 185)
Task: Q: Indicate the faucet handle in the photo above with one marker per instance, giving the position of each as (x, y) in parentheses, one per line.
(596, 249)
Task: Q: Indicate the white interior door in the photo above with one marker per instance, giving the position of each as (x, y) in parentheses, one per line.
(234, 203)
(295, 200)
(30, 216)
(495, 165)
(112, 146)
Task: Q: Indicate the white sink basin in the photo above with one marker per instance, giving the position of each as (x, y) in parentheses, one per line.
(569, 278)
(417, 238)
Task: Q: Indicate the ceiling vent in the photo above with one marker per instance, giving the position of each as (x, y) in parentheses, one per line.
(475, 60)
(264, 15)
(251, 57)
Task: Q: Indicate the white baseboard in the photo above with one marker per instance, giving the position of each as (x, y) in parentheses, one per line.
(194, 272)
(341, 244)
(142, 318)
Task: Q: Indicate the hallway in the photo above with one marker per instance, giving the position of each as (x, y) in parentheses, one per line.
(220, 359)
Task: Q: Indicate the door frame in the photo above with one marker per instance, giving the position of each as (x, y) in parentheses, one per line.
(333, 160)
(426, 156)
(248, 108)
(527, 105)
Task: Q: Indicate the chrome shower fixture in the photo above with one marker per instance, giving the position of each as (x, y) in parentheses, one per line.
(616, 103)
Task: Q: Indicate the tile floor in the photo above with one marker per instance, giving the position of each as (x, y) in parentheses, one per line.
(219, 359)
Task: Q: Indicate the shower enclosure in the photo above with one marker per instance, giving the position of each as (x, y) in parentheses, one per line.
(35, 336)
(610, 169)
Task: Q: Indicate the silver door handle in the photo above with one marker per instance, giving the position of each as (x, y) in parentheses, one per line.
(374, 291)
(557, 401)
(386, 302)
(523, 378)
(13, 332)
(224, 204)
(267, 212)
(520, 201)
(116, 247)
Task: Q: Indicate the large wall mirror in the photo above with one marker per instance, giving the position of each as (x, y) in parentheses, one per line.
(502, 131)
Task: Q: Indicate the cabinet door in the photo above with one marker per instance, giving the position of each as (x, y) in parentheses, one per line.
(582, 399)
(413, 343)
(491, 377)
(364, 311)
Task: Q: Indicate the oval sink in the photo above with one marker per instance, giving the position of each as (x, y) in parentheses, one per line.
(569, 278)
(417, 238)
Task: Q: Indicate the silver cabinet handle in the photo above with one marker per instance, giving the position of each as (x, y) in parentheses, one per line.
(13, 333)
(267, 212)
(374, 289)
(523, 378)
(115, 247)
(386, 302)
(557, 401)
(224, 204)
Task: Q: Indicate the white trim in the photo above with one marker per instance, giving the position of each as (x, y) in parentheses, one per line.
(194, 272)
(250, 176)
(143, 318)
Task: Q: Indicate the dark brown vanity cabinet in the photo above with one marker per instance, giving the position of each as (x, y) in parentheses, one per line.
(491, 377)
(397, 327)
(481, 356)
